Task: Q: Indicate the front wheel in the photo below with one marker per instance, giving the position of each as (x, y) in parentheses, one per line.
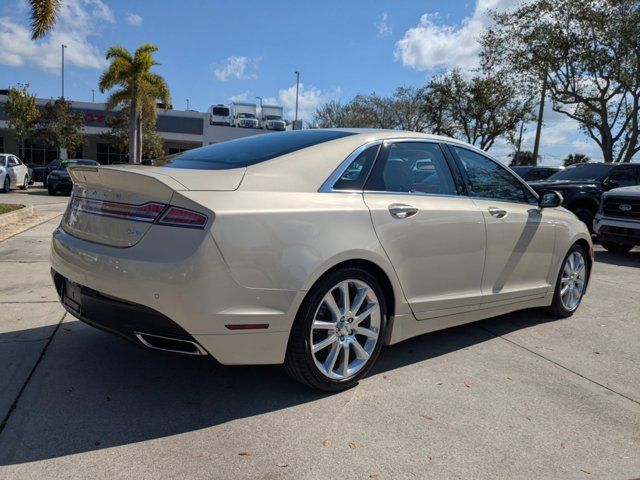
(571, 283)
(337, 335)
(6, 185)
(615, 247)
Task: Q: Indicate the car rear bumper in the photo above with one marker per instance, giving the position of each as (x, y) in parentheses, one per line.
(186, 293)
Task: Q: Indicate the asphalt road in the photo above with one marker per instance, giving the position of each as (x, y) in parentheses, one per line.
(519, 396)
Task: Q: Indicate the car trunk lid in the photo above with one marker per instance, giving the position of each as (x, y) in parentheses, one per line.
(116, 206)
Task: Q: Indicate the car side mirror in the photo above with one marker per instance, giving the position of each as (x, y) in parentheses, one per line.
(550, 199)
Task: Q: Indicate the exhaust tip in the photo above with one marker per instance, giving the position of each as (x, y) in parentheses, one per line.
(170, 344)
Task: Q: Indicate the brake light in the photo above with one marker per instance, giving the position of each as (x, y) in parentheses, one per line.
(181, 217)
(146, 212)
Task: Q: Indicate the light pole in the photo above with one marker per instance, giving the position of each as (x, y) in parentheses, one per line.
(259, 98)
(93, 96)
(187, 104)
(63, 47)
(297, 92)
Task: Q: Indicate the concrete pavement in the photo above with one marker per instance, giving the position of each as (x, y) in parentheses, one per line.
(519, 396)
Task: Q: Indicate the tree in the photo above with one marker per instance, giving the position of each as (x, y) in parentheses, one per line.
(43, 16)
(587, 55)
(61, 127)
(479, 109)
(118, 136)
(22, 112)
(574, 158)
(139, 88)
(523, 159)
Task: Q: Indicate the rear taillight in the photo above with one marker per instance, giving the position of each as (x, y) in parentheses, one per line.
(148, 212)
(181, 217)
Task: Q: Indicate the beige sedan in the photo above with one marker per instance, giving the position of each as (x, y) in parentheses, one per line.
(312, 248)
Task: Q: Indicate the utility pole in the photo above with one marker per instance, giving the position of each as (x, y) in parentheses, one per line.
(63, 47)
(517, 157)
(93, 96)
(297, 93)
(543, 94)
(187, 104)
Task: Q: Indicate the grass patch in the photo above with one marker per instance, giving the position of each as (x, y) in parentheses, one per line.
(9, 207)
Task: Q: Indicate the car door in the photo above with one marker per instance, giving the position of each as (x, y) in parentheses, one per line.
(433, 235)
(520, 235)
(20, 170)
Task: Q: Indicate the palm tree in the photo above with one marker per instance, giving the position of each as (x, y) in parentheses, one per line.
(139, 89)
(43, 16)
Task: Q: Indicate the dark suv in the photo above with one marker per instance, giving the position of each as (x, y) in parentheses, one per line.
(582, 185)
(533, 174)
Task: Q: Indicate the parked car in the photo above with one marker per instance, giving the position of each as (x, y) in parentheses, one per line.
(37, 173)
(617, 223)
(312, 248)
(50, 167)
(532, 174)
(582, 185)
(220, 115)
(271, 117)
(59, 181)
(13, 173)
(244, 115)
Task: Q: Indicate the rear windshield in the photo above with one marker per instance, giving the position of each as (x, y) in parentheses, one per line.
(221, 111)
(583, 173)
(251, 150)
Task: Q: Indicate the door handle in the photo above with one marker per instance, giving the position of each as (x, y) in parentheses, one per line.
(497, 212)
(400, 210)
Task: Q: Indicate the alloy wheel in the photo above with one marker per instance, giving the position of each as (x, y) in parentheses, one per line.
(572, 281)
(345, 329)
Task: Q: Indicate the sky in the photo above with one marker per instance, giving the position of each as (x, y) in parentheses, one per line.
(219, 51)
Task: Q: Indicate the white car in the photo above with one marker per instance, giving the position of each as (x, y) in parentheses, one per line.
(13, 173)
(312, 248)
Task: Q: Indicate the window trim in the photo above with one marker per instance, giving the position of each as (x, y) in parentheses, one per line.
(463, 172)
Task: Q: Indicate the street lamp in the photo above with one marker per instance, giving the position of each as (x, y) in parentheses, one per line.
(297, 92)
(63, 47)
(260, 98)
(187, 104)
(93, 96)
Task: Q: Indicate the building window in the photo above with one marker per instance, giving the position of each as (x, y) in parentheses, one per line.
(38, 153)
(108, 154)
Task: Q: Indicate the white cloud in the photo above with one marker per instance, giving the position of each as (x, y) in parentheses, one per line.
(308, 100)
(236, 67)
(134, 19)
(433, 44)
(240, 97)
(383, 27)
(77, 22)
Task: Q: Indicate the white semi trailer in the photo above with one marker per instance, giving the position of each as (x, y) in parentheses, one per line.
(245, 115)
(271, 117)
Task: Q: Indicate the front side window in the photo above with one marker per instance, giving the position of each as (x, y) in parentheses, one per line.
(413, 167)
(356, 173)
(487, 179)
(624, 176)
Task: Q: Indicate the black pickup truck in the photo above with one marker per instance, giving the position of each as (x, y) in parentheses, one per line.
(582, 185)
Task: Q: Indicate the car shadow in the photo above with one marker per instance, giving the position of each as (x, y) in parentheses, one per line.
(93, 390)
(630, 259)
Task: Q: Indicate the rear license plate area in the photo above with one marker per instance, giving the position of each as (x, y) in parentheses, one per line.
(72, 296)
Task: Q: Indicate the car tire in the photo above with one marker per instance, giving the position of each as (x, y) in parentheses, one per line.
(561, 307)
(319, 323)
(586, 216)
(25, 184)
(615, 247)
(51, 190)
(6, 185)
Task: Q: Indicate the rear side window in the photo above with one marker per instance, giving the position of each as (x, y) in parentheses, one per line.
(250, 150)
(356, 173)
(413, 167)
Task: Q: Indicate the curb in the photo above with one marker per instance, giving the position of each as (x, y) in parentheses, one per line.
(16, 215)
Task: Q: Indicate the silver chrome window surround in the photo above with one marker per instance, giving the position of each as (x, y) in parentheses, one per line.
(327, 186)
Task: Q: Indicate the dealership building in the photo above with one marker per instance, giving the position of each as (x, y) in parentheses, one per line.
(180, 130)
